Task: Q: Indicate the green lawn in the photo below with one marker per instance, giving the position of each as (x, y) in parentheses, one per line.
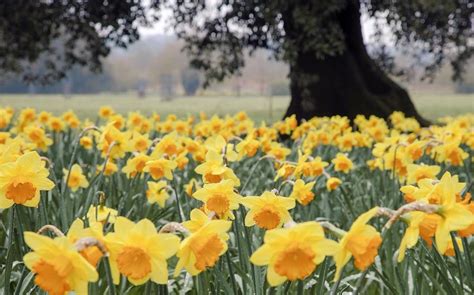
(431, 105)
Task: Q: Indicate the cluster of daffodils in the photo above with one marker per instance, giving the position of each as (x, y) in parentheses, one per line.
(130, 201)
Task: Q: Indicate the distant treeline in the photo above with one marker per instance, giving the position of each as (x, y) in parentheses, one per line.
(78, 80)
(156, 64)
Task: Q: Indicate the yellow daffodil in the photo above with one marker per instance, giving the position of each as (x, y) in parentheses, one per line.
(140, 142)
(285, 171)
(86, 142)
(192, 186)
(57, 266)
(44, 117)
(157, 192)
(110, 168)
(342, 163)
(114, 142)
(314, 167)
(138, 252)
(218, 144)
(278, 151)
(416, 173)
(135, 165)
(170, 145)
(267, 211)
(293, 253)
(182, 160)
(361, 242)
(38, 137)
(346, 141)
(160, 168)
(213, 169)
(203, 247)
(302, 192)
(248, 147)
(101, 214)
(451, 153)
(22, 180)
(105, 112)
(76, 178)
(56, 124)
(455, 216)
(332, 183)
(219, 198)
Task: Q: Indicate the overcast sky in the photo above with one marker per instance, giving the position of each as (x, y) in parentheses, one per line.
(162, 27)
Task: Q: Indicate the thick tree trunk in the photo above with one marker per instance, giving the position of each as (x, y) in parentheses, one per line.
(347, 84)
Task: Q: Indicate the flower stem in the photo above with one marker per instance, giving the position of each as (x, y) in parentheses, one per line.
(9, 260)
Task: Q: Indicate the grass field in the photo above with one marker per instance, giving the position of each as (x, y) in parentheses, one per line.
(431, 105)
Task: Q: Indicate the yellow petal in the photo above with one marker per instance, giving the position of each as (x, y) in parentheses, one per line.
(123, 225)
(36, 241)
(442, 236)
(365, 217)
(341, 257)
(262, 255)
(273, 278)
(159, 272)
(30, 259)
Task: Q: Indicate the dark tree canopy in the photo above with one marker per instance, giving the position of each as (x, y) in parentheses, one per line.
(43, 39)
(321, 40)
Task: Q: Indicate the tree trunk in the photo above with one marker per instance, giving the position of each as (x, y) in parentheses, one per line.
(347, 84)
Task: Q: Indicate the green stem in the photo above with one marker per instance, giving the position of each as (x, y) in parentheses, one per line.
(300, 287)
(248, 239)
(231, 272)
(458, 262)
(252, 171)
(9, 260)
(108, 273)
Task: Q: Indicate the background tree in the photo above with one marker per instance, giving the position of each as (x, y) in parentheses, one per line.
(59, 34)
(331, 71)
(190, 81)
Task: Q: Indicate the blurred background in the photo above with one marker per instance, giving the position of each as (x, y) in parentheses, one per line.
(154, 75)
